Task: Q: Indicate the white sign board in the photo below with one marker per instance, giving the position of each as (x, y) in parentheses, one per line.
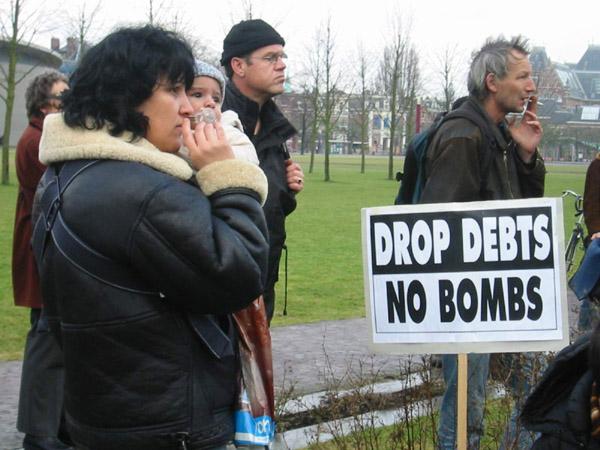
(590, 113)
(466, 277)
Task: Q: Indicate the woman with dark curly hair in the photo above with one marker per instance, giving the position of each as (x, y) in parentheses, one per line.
(148, 256)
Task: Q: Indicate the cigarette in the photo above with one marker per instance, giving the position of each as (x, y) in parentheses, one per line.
(537, 99)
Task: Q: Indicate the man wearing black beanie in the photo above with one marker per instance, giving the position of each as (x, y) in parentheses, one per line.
(254, 62)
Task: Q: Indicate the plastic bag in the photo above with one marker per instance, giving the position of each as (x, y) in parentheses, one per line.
(254, 418)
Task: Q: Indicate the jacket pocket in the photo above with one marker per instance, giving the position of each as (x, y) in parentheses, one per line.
(126, 375)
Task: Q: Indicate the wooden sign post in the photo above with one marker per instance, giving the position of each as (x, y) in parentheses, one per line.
(461, 402)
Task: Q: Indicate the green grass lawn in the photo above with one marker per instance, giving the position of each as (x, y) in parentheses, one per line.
(325, 278)
(14, 322)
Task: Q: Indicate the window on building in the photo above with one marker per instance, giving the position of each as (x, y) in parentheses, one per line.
(596, 87)
(377, 121)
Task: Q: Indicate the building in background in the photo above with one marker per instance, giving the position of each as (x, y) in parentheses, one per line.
(569, 95)
(32, 60)
(569, 109)
(570, 105)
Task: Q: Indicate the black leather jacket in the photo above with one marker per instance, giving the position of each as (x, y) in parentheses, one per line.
(137, 374)
(559, 407)
(270, 148)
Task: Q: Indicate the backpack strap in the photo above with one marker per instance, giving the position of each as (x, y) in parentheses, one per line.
(412, 175)
(73, 248)
(51, 202)
(210, 333)
(421, 158)
(488, 140)
(51, 224)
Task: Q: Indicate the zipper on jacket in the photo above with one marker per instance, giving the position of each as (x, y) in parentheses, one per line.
(182, 439)
(505, 159)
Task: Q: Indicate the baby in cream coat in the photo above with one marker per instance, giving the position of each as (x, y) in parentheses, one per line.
(206, 97)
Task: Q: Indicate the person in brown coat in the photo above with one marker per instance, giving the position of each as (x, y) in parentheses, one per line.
(589, 313)
(591, 199)
(40, 400)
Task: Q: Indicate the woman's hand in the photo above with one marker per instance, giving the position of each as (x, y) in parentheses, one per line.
(206, 143)
(595, 236)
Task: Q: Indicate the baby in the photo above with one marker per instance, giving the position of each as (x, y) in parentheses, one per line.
(206, 97)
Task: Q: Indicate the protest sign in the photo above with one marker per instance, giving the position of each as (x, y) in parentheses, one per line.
(466, 277)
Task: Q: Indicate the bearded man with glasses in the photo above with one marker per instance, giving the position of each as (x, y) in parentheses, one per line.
(254, 62)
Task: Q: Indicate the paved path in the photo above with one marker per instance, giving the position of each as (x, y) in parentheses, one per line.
(306, 358)
(311, 357)
(10, 375)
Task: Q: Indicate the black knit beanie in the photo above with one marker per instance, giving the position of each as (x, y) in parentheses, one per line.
(247, 36)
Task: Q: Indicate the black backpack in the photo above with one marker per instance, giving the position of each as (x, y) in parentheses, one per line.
(412, 181)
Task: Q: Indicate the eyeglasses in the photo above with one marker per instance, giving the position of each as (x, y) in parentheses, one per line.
(272, 58)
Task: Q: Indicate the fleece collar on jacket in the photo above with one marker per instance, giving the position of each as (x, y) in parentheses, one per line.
(62, 143)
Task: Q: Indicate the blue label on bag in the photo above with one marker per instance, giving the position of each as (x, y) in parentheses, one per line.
(253, 430)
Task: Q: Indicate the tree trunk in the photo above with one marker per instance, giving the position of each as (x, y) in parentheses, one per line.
(364, 133)
(313, 139)
(362, 159)
(392, 137)
(327, 151)
(10, 100)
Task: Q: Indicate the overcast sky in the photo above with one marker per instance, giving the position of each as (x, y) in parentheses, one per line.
(565, 30)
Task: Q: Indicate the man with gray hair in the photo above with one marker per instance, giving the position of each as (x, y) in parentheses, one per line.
(463, 164)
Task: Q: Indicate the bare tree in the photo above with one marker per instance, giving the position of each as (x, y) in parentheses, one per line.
(81, 25)
(241, 10)
(315, 132)
(447, 63)
(412, 89)
(18, 26)
(333, 96)
(156, 11)
(309, 121)
(363, 105)
(399, 76)
(322, 89)
(162, 13)
(311, 88)
(247, 8)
